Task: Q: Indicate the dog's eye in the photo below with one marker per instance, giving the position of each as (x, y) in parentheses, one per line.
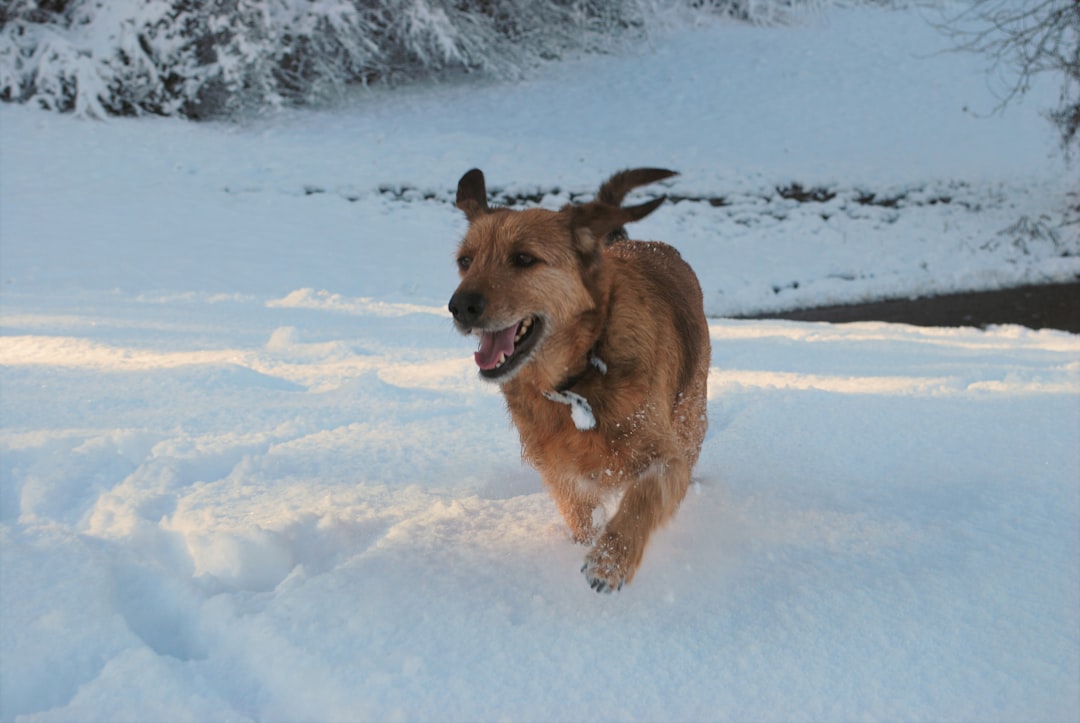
(523, 261)
(464, 262)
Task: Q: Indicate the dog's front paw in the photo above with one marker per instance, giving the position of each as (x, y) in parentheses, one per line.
(601, 582)
(608, 566)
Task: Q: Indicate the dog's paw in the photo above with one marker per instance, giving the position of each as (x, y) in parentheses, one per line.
(606, 567)
(601, 583)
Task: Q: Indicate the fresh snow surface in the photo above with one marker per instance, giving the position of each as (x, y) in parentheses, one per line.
(249, 473)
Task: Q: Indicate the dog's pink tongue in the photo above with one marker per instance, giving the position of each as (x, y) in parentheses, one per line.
(493, 344)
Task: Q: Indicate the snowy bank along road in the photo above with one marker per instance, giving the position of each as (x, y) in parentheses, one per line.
(247, 471)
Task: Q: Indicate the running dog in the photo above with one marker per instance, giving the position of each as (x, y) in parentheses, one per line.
(601, 348)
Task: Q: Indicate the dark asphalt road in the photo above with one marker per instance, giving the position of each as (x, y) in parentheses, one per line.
(1053, 306)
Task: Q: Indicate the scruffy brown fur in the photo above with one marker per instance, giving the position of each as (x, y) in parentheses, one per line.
(604, 353)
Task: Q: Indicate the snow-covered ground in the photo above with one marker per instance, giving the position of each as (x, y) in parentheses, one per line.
(248, 472)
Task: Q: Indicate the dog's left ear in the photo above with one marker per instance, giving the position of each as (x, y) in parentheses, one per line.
(472, 194)
(597, 220)
(592, 222)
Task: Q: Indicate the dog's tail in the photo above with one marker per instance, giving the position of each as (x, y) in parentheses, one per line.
(614, 190)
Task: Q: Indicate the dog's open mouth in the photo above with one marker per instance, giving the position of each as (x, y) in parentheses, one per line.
(502, 351)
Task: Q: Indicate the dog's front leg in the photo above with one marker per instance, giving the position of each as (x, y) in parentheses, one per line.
(576, 502)
(650, 500)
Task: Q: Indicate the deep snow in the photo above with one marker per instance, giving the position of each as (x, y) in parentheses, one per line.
(248, 471)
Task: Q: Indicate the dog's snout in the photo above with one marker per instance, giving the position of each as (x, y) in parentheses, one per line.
(467, 307)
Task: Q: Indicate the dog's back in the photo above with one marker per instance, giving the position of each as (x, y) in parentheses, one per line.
(673, 346)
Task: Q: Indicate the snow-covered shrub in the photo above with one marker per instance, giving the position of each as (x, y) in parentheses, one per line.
(200, 58)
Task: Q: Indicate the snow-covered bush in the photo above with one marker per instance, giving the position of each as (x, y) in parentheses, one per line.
(201, 58)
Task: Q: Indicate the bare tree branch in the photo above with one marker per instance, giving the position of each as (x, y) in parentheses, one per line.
(1021, 40)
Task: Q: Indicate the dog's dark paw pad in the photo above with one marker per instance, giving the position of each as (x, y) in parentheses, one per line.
(600, 582)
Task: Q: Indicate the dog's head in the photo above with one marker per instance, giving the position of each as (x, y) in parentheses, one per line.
(532, 281)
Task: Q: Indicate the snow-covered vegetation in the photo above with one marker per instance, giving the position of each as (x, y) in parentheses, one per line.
(247, 471)
(202, 59)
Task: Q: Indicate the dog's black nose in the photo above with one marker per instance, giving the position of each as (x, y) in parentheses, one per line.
(467, 307)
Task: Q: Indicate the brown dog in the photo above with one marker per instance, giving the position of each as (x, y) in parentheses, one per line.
(601, 348)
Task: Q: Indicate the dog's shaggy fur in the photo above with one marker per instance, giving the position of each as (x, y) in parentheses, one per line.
(601, 348)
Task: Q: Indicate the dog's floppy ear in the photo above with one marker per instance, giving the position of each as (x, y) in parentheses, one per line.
(472, 194)
(591, 222)
(600, 218)
(614, 189)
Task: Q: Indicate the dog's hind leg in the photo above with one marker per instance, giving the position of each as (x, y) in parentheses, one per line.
(649, 502)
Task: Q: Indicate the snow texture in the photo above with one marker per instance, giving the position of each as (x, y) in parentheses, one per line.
(247, 471)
